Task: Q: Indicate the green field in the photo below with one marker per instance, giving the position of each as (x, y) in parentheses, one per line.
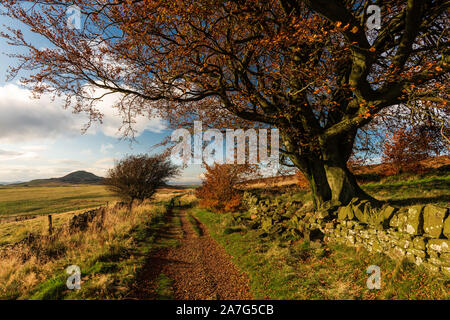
(15, 201)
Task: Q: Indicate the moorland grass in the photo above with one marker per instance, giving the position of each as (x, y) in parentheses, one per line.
(400, 190)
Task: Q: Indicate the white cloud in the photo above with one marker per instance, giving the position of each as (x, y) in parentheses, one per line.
(36, 148)
(112, 120)
(25, 172)
(51, 168)
(191, 174)
(25, 119)
(75, 164)
(101, 166)
(14, 155)
(105, 161)
(7, 154)
(31, 132)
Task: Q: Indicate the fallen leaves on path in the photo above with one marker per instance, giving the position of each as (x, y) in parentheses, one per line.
(199, 267)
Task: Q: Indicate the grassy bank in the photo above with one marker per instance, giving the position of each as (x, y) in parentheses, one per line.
(407, 190)
(109, 258)
(400, 190)
(306, 270)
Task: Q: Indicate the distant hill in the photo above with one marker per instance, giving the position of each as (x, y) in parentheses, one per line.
(81, 177)
(77, 177)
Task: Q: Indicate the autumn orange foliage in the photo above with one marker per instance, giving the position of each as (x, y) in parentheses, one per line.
(218, 192)
(407, 146)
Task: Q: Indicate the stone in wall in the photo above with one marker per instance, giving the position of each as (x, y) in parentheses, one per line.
(439, 245)
(446, 229)
(345, 213)
(358, 209)
(363, 211)
(433, 220)
(399, 220)
(414, 222)
(418, 253)
(411, 233)
(431, 267)
(445, 257)
(446, 271)
(444, 260)
(388, 212)
(405, 243)
(419, 243)
(396, 253)
(402, 221)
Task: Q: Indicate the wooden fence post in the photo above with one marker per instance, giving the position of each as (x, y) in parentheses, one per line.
(50, 228)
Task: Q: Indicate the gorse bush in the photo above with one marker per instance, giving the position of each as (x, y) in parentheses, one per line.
(218, 191)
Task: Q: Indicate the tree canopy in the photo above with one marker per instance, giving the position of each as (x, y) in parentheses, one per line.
(309, 68)
(137, 177)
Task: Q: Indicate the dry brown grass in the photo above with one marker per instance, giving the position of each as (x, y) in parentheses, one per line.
(15, 231)
(271, 182)
(24, 266)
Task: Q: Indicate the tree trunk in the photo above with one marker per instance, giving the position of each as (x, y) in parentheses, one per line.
(343, 184)
(329, 177)
(331, 180)
(316, 175)
(325, 167)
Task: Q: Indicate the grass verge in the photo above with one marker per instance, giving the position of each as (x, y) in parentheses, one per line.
(194, 224)
(164, 289)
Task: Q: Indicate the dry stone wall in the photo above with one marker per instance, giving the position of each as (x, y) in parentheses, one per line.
(420, 233)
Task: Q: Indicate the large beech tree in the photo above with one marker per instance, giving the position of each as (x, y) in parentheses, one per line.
(309, 68)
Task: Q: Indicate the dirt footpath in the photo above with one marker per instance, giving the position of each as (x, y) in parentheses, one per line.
(199, 267)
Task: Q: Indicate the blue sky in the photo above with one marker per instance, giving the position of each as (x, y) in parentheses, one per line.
(39, 139)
